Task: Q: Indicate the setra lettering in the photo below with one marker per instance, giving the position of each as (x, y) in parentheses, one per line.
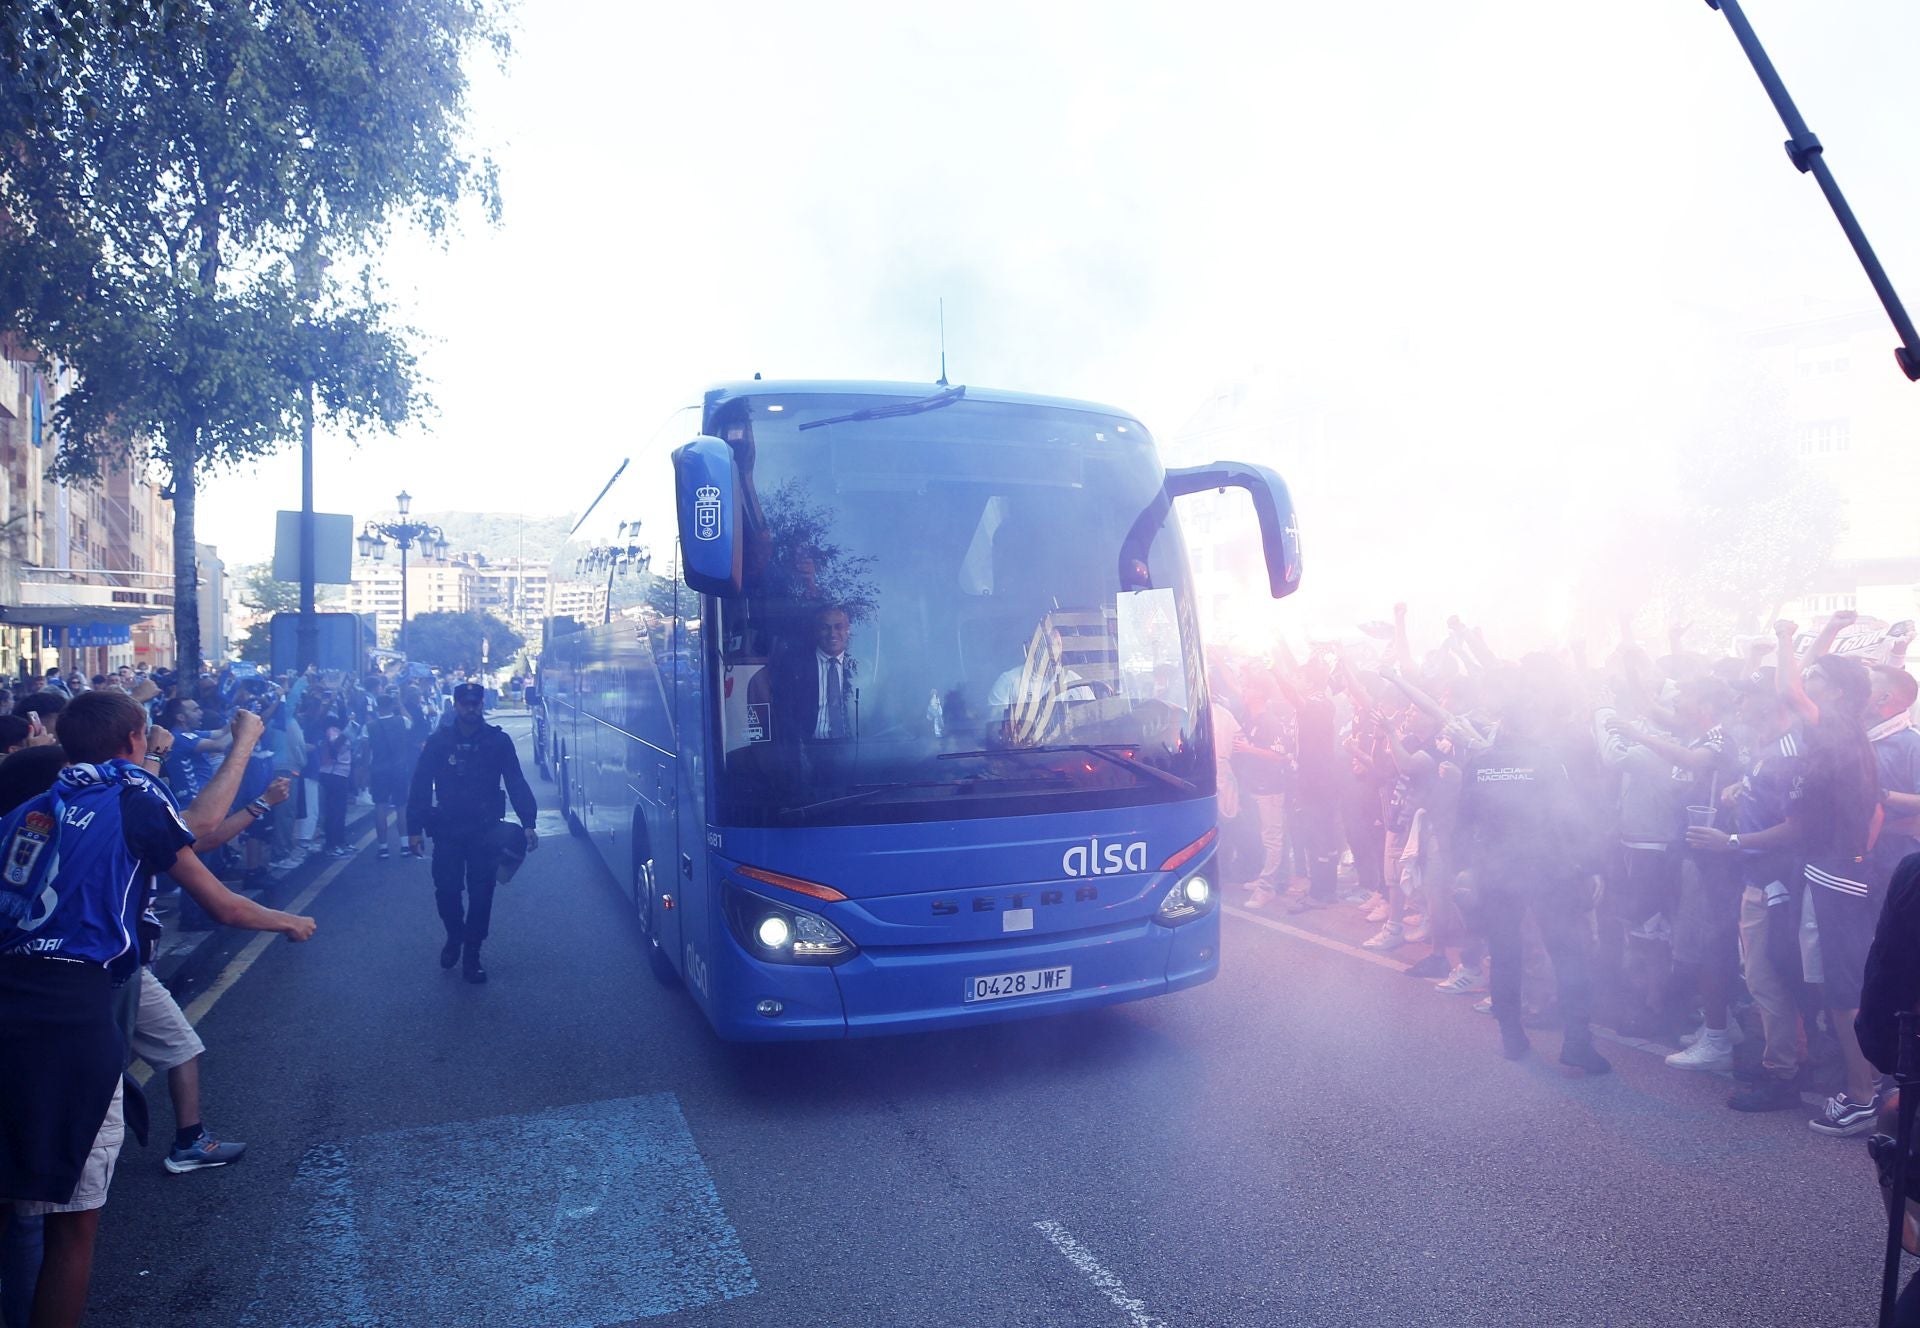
(947, 908)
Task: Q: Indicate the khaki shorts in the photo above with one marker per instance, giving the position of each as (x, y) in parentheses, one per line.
(162, 1037)
(1811, 969)
(91, 1192)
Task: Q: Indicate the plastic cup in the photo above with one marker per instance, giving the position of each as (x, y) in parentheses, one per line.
(1699, 816)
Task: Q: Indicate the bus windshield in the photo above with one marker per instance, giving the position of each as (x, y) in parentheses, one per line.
(968, 608)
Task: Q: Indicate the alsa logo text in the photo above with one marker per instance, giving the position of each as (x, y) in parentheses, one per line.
(1096, 859)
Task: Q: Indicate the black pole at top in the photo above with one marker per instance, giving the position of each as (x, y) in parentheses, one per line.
(307, 637)
(1804, 150)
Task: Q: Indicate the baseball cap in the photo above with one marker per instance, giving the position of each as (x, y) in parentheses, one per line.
(1759, 683)
(469, 691)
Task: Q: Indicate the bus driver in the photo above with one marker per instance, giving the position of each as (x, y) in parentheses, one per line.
(1028, 700)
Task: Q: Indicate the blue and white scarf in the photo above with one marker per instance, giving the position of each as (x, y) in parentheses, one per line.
(29, 891)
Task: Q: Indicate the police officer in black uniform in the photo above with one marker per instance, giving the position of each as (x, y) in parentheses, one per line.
(457, 798)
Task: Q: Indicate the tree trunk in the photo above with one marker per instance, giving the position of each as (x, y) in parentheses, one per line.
(186, 566)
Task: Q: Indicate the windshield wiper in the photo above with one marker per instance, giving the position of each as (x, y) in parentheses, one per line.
(934, 402)
(1113, 753)
(864, 795)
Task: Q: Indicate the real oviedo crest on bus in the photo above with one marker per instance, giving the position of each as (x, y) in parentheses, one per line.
(706, 512)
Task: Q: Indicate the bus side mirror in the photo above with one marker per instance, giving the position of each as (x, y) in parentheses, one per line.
(1272, 505)
(707, 498)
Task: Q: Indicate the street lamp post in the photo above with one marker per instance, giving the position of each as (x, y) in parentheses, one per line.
(373, 544)
(308, 268)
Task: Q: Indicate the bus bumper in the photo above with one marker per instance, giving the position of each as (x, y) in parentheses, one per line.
(880, 992)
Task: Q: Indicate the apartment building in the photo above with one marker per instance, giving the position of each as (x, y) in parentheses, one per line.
(583, 601)
(431, 587)
(514, 591)
(86, 566)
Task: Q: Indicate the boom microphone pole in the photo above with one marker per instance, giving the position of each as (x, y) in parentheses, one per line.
(1804, 150)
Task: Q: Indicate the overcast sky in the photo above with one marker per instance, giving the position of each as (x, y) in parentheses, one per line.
(1525, 210)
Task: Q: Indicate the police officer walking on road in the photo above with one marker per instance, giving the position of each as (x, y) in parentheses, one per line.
(457, 798)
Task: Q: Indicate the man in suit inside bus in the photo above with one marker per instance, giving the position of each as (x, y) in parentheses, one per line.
(813, 690)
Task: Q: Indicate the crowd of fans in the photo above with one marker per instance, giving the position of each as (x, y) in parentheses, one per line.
(122, 777)
(1684, 848)
(336, 739)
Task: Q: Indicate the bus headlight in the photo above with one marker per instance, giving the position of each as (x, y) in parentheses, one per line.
(781, 934)
(1189, 899)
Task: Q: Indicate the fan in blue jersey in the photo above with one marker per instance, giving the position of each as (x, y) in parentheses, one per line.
(196, 751)
(76, 869)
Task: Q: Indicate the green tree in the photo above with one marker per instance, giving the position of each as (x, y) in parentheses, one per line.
(195, 193)
(459, 640)
(265, 596)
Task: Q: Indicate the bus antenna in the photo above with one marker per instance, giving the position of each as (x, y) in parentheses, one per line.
(943, 341)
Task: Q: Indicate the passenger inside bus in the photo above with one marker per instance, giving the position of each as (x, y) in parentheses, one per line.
(812, 691)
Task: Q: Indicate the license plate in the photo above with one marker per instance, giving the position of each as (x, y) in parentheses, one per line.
(1031, 983)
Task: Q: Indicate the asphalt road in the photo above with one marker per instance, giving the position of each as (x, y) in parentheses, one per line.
(1309, 1140)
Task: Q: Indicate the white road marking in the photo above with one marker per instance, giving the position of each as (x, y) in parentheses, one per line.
(1105, 1282)
(1324, 942)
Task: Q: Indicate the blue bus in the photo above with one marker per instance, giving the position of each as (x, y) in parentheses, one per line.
(885, 703)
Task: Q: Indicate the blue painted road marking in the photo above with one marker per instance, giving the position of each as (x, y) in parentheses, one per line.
(573, 1218)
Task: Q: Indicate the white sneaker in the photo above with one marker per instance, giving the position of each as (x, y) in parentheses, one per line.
(1735, 1034)
(1416, 928)
(1463, 981)
(1260, 898)
(1706, 1054)
(1655, 928)
(1390, 937)
(1375, 909)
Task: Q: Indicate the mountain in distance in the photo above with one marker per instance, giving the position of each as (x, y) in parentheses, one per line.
(502, 536)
